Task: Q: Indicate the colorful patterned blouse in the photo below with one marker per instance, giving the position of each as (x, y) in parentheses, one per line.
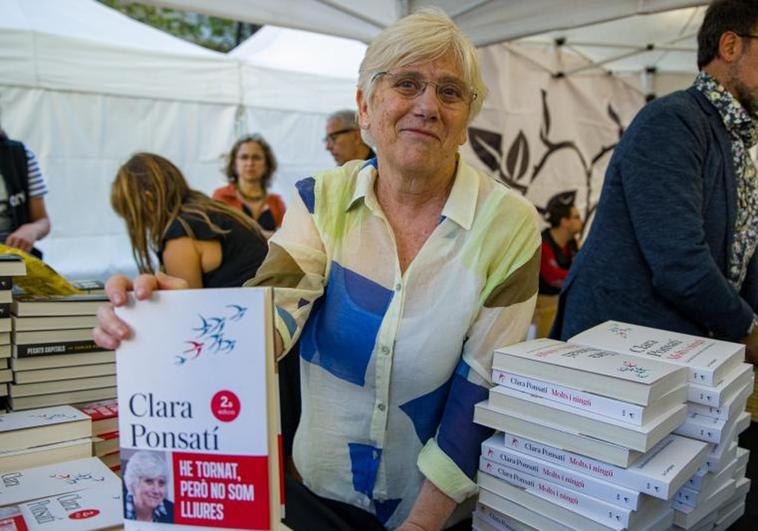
(392, 363)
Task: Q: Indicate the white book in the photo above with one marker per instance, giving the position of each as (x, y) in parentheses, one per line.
(640, 438)
(6, 376)
(23, 324)
(480, 523)
(686, 516)
(516, 423)
(40, 482)
(620, 376)
(5, 338)
(495, 452)
(601, 512)
(659, 473)
(650, 519)
(5, 350)
(532, 518)
(197, 392)
(704, 428)
(720, 456)
(715, 396)
(64, 373)
(742, 456)
(55, 399)
(741, 424)
(63, 360)
(703, 479)
(62, 386)
(706, 359)
(707, 482)
(80, 510)
(498, 520)
(34, 337)
(724, 523)
(45, 454)
(732, 404)
(36, 427)
(690, 496)
(576, 398)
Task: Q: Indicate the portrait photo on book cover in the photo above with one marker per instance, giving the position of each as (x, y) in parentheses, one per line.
(148, 486)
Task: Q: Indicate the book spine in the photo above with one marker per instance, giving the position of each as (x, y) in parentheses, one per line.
(602, 490)
(47, 349)
(703, 394)
(581, 400)
(591, 467)
(708, 411)
(687, 496)
(701, 428)
(587, 506)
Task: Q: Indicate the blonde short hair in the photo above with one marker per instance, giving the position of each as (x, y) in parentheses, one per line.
(422, 37)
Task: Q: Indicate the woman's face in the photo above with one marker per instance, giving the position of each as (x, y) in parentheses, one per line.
(419, 133)
(150, 492)
(250, 162)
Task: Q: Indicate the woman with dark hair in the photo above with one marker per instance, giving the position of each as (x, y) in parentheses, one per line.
(202, 241)
(250, 167)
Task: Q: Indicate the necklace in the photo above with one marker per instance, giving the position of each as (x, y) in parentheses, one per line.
(247, 197)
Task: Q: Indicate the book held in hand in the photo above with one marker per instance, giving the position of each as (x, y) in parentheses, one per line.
(198, 403)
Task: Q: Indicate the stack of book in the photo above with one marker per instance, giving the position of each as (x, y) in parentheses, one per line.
(41, 436)
(10, 266)
(718, 387)
(104, 417)
(55, 360)
(587, 440)
(76, 495)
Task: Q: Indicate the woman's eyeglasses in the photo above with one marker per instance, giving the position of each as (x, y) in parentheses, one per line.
(411, 85)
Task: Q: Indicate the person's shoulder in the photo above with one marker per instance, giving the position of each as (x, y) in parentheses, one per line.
(333, 187)
(683, 106)
(502, 195)
(222, 192)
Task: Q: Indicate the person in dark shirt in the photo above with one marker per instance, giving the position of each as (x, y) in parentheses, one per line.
(202, 241)
(559, 246)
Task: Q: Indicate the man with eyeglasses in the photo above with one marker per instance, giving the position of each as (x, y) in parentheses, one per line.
(673, 241)
(343, 138)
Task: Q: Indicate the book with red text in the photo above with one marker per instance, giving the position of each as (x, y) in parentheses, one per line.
(708, 360)
(104, 415)
(197, 402)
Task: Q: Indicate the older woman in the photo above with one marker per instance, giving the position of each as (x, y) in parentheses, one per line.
(145, 479)
(250, 167)
(399, 276)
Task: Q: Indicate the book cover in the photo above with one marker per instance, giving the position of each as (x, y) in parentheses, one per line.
(612, 493)
(659, 473)
(40, 482)
(210, 440)
(703, 479)
(706, 359)
(620, 376)
(576, 398)
(42, 426)
(80, 510)
(536, 519)
(497, 520)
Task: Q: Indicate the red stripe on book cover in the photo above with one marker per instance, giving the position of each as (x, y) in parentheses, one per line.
(16, 523)
(227, 491)
(281, 468)
(109, 435)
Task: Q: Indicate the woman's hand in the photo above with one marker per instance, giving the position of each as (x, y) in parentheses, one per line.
(111, 330)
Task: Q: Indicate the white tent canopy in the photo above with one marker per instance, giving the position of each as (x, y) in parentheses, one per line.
(486, 21)
(84, 87)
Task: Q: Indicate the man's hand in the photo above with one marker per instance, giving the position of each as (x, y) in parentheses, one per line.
(23, 238)
(111, 330)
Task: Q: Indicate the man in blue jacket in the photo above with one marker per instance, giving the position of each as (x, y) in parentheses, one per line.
(673, 241)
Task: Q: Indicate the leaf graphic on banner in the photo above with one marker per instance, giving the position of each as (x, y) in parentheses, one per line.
(616, 119)
(545, 129)
(486, 145)
(518, 157)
